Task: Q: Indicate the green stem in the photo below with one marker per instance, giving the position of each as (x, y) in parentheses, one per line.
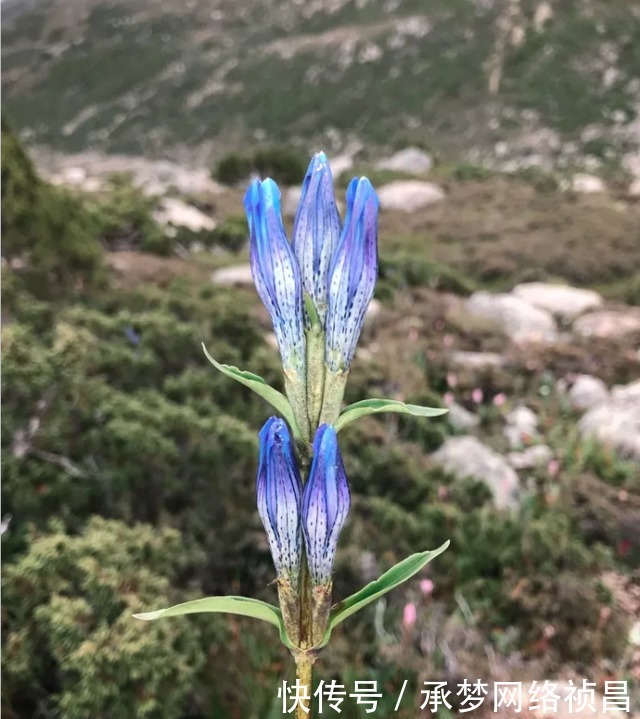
(334, 385)
(304, 673)
(315, 375)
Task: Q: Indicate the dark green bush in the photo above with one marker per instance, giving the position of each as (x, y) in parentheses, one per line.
(71, 647)
(283, 165)
(48, 236)
(407, 270)
(233, 169)
(124, 218)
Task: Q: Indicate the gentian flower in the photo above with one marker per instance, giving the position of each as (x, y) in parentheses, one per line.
(325, 505)
(352, 275)
(276, 273)
(316, 232)
(279, 491)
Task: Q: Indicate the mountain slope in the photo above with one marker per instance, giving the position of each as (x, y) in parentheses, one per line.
(556, 80)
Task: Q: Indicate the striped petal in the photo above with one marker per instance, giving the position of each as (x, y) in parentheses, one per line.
(352, 275)
(325, 505)
(275, 272)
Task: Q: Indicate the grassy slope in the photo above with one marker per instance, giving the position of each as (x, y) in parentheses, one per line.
(221, 71)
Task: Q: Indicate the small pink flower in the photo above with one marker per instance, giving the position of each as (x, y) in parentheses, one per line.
(447, 340)
(427, 587)
(448, 398)
(477, 395)
(409, 615)
(500, 399)
(553, 467)
(452, 379)
(443, 493)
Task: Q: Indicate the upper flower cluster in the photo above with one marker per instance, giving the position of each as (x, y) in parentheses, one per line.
(325, 278)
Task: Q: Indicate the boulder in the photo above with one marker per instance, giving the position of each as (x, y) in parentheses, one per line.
(562, 301)
(409, 195)
(234, 276)
(340, 164)
(587, 391)
(616, 421)
(177, 213)
(477, 360)
(290, 200)
(461, 419)
(531, 457)
(374, 309)
(634, 188)
(469, 457)
(587, 184)
(521, 427)
(608, 324)
(411, 160)
(518, 319)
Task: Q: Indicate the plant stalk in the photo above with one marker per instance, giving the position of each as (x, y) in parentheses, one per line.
(304, 673)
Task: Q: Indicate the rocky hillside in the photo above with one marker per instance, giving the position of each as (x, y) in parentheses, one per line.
(129, 464)
(491, 81)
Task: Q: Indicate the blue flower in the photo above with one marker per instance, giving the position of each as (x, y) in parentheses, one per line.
(279, 491)
(352, 275)
(316, 232)
(325, 504)
(276, 273)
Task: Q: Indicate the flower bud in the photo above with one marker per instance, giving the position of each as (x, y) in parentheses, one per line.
(325, 505)
(316, 233)
(352, 275)
(275, 273)
(279, 491)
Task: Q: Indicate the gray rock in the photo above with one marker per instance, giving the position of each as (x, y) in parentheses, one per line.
(562, 301)
(234, 276)
(616, 421)
(412, 160)
(477, 360)
(290, 200)
(461, 419)
(340, 164)
(522, 424)
(634, 188)
(522, 322)
(608, 324)
(409, 195)
(587, 391)
(177, 213)
(469, 457)
(531, 457)
(587, 184)
(373, 311)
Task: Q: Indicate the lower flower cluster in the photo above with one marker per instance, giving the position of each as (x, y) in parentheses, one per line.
(294, 515)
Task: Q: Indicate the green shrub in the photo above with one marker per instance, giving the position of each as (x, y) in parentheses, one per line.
(124, 218)
(48, 236)
(72, 648)
(402, 269)
(280, 163)
(233, 169)
(230, 235)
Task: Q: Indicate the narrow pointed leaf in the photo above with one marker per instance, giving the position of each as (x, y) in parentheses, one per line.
(244, 606)
(389, 580)
(372, 406)
(253, 381)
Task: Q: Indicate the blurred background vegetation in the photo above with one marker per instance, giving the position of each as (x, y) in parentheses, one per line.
(129, 463)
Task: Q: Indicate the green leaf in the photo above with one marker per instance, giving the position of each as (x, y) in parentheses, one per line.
(371, 406)
(389, 580)
(245, 606)
(276, 399)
